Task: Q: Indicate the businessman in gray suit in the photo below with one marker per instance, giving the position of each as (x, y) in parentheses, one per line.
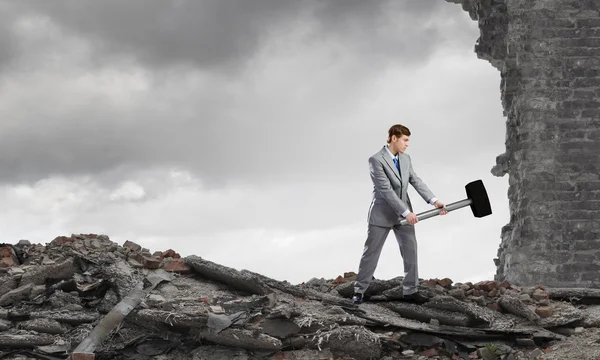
(391, 172)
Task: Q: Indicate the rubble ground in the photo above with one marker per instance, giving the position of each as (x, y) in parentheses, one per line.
(86, 297)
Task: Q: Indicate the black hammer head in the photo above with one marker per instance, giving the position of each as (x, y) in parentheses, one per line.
(481, 203)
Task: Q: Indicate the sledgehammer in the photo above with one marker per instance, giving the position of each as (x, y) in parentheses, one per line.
(477, 199)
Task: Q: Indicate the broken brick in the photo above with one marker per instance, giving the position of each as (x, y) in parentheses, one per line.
(177, 266)
(61, 240)
(431, 283)
(539, 294)
(147, 261)
(170, 254)
(6, 251)
(83, 356)
(445, 282)
(430, 352)
(338, 280)
(8, 257)
(150, 263)
(486, 285)
(350, 276)
(544, 311)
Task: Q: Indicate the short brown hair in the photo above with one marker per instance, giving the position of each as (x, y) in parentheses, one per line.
(397, 130)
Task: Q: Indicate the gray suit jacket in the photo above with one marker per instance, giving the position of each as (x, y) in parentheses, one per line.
(390, 197)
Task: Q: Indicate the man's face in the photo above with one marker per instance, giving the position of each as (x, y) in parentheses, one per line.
(400, 143)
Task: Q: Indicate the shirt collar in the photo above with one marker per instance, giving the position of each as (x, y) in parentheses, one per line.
(390, 153)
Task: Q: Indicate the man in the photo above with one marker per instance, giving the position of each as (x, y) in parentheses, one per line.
(391, 172)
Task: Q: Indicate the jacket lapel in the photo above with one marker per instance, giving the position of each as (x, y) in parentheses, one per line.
(390, 163)
(404, 165)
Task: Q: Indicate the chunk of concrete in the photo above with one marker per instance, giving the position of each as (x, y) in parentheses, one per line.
(39, 274)
(17, 295)
(46, 326)
(24, 341)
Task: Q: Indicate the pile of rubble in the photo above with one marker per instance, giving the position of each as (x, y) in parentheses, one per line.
(86, 297)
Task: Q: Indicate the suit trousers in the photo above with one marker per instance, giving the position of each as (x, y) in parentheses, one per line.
(376, 236)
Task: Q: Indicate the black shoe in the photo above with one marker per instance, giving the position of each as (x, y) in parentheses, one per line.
(416, 298)
(357, 298)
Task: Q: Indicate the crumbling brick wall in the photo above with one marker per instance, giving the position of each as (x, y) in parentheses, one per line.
(548, 55)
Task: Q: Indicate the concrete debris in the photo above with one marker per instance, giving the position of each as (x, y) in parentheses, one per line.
(81, 297)
(120, 311)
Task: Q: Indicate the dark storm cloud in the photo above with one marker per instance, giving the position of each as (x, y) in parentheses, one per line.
(268, 124)
(224, 34)
(206, 33)
(7, 38)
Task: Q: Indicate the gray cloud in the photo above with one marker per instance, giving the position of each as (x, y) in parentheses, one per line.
(205, 33)
(225, 34)
(7, 39)
(274, 122)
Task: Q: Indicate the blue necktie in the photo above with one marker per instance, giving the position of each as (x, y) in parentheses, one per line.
(397, 165)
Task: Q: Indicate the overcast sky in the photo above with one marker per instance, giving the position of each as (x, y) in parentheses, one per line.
(239, 130)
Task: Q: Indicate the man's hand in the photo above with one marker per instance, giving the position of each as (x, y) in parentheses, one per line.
(438, 204)
(412, 218)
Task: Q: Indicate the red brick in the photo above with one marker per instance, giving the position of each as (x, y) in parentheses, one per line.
(487, 285)
(177, 266)
(431, 283)
(7, 257)
(61, 240)
(445, 282)
(429, 352)
(158, 255)
(338, 280)
(6, 251)
(505, 284)
(151, 263)
(349, 274)
(493, 292)
(544, 311)
(539, 294)
(83, 356)
(170, 253)
(147, 262)
(8, 262)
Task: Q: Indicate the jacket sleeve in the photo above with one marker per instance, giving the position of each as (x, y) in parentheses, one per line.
(418, 184)
(384, 187)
